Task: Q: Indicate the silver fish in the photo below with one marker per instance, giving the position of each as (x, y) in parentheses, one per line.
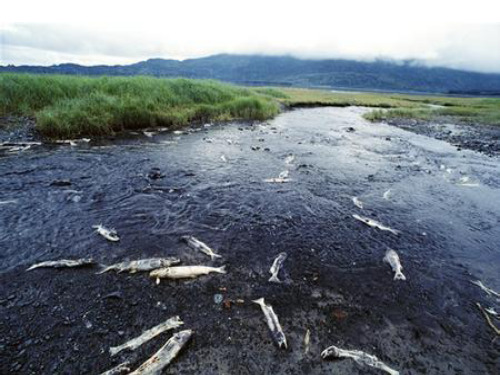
(133, 344)
(109, 234)
(184, 272)
(360, 357)
(8, 202)
(198, 245)
(63, 263)
(273, 323)
(307, 340)
(141, 265)
(387, 194)
(357, 202)
(392, 258)
(488, 291)
(117, 370)
(375, 224)
(275, 268)
(165, 355)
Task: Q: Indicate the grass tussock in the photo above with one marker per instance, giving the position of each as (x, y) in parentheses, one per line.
(72, 106)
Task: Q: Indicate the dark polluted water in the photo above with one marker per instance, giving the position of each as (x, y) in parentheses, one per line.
(210, 184)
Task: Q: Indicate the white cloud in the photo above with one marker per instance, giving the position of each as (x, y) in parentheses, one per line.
(97, 32)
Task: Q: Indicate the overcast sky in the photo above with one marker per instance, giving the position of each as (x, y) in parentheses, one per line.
(442, 33)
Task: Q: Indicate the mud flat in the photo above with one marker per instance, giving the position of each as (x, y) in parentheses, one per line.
(154, 190)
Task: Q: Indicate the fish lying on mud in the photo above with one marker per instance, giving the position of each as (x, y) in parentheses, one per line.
(63, 263)
(360, 357)
(387, 195)
(165, 355)
(142, 265)
(276, 266)
(133, 344)
(109, 234)
(184, 272)
(488, 291)
(357, 202)
(273, 323)
(117, 370)
(198, 245)
(375, 224)
(392, 258)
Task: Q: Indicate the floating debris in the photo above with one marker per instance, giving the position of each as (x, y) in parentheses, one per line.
(276, 266)
(357, 202)
(375, 224)
(109, 234)
(488, 319)
(360, 357)
(387, 195)
(133, 344)
(488, 291)
(123, 367)
(307, 341)
(198, 245)
(392, 258)
(184, 272)
(142, 265)
(273, 323)
(165, 355)
(63, 263)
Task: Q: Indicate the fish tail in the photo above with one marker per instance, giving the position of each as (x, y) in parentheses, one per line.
(221, 269)
(259, 301)
(214, 256)
(104, 270)
(274, 279)
(399, 276)
(115, 350)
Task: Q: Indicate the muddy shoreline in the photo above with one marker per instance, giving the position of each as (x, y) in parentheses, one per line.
(334, 281)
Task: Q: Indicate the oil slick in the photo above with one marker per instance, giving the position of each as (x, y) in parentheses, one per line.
(360, 357)
(109, 234)
(375, 224)
(276, 266)
(63, 263)
(133, 344)
(273, 323)
(392, 258)
(165, 355)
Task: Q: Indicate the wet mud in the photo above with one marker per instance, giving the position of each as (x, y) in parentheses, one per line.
(154, 190)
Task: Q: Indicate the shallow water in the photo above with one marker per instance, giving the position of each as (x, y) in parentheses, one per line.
(213, 188)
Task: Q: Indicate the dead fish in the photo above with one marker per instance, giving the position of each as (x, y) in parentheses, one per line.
(133, 344)
(387, 194)
(275, 268)
(289, 159)
(184, 272)
(307, 340)
(375, 224)
(148, 134)
(8, 202)
(109, 234)
(360, 357)
(19, 148)
(273, 323)
(392, 258)
(198, 245)
(165, 355)
(70, 142)
(277, 180)
(141, 265)
(357, 202)
(117, 370)
(63, 263)
(488, 291)
(284, 174)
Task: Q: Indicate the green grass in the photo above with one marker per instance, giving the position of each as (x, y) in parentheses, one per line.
(74, 106)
